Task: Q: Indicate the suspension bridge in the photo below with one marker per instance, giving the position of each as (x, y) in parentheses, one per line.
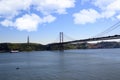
(61, 42)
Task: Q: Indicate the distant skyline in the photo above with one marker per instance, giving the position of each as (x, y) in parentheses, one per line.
(42, 20)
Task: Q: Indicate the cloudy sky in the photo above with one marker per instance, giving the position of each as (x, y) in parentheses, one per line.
(42, 20)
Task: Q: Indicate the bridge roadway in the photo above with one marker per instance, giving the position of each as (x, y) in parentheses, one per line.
(90, 39)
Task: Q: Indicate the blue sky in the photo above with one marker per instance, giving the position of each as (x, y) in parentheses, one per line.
(42, 20)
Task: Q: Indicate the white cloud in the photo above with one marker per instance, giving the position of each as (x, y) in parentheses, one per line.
(108, 14)
(86, 16)
(10, 8)
(6, 23)
(107, 4)
(14, 7)
(102, 4)
(48, 19)
(31, 22)
(114, 6)
(118, 17)
(111, 9)
(28, 22)
(53, 6)
(108, 9)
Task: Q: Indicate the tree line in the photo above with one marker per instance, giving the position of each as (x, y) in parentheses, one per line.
(7, 47)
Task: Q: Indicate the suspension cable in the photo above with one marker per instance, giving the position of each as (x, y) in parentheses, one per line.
(113, 27)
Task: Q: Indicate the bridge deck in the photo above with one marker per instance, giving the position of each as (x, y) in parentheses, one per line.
(91, 39)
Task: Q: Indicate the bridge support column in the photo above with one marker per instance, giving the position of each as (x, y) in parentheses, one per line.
(61, 46)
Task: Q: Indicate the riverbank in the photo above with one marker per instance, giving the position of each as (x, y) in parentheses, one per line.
(7, 47)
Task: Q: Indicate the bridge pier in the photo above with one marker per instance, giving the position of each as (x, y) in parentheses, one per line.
(61, 46)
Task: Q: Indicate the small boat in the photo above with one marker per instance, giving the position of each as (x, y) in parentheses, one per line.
(14, 51)
(17, 68)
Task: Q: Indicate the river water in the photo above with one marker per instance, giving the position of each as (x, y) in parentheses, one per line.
(89, 64)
